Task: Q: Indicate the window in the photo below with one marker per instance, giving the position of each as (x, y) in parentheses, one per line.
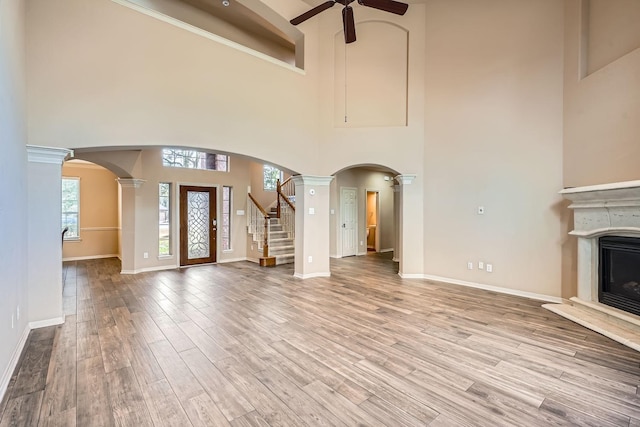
(271, 176)
(192, 159)
(164, 220)
(226, 218)
(71, 207)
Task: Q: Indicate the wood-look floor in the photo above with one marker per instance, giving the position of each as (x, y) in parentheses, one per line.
(236, 344)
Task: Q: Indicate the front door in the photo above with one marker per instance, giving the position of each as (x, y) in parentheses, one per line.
(349, 221)
(198, 225)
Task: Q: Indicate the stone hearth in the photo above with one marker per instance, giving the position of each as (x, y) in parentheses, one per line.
(601, 210)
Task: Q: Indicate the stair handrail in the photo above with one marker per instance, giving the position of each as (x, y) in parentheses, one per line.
(252, 223)
(287, 190)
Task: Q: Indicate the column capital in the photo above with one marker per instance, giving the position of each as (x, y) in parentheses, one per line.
(311, 180)
(52, 155)
(405, 179)
(130, 182)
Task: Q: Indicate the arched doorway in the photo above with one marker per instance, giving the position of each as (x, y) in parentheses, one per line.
(364, 211)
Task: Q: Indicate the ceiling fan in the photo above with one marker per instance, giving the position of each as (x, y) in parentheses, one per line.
(348, 22)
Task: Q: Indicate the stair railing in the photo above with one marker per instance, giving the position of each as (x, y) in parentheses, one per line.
(258, 224)
(287, 190)
(285, 207)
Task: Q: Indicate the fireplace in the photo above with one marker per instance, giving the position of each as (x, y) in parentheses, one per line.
(619, 273)
(606, 224)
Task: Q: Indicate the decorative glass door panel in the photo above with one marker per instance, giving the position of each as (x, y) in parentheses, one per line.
(197, 225)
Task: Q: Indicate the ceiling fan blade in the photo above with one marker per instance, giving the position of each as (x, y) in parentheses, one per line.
(387, 5)
(313, 12)
(349, 25)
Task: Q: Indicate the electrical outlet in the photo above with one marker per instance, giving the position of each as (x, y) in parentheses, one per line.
(489, 268)
(480, 210)
(480, 265)
(145, 255)
(470, 265)
(361, 243)
(310, 258)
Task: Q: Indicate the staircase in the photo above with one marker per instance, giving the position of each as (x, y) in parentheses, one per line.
(281, 245)
(273, 231)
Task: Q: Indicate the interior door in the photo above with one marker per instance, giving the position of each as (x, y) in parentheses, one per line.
(349, 220)
(198, 224)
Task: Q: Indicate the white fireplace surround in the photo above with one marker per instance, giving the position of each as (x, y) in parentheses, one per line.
(601, 210)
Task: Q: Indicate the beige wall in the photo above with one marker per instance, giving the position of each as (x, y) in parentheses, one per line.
(208, 22)
(98, 212)
(151, 83)
(493, 128)
(602, 110)
(484, 116)
(611, 31)
(601, 103)
(13, 186)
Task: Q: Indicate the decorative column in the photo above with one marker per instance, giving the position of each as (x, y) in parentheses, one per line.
(411, 228)
(127, 238)
(312, 226)
(397, 213)
(44, 235)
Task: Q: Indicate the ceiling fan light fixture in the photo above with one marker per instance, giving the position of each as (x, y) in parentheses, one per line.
(225, 3)
(348, 22)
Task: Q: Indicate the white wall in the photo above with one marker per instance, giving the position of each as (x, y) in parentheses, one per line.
(13, 184)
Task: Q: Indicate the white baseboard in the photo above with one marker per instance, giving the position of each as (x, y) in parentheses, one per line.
(224, 261)
(47, 322)
(311, 275)
(395, 259)
(82, 258)
(412, 275)
(149, 269)
(386, 250)
(515, 292)
(13, 362)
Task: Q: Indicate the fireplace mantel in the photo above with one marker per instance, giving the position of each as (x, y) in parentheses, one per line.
(601, 210)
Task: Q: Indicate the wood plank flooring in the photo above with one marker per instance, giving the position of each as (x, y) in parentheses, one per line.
(239, 345)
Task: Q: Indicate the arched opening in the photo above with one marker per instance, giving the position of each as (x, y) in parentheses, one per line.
(152, 209)
(90, 211)
(364, 212)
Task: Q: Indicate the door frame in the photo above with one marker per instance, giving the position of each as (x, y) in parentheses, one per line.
(340, 228)
(377, 234)
(178, 216)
